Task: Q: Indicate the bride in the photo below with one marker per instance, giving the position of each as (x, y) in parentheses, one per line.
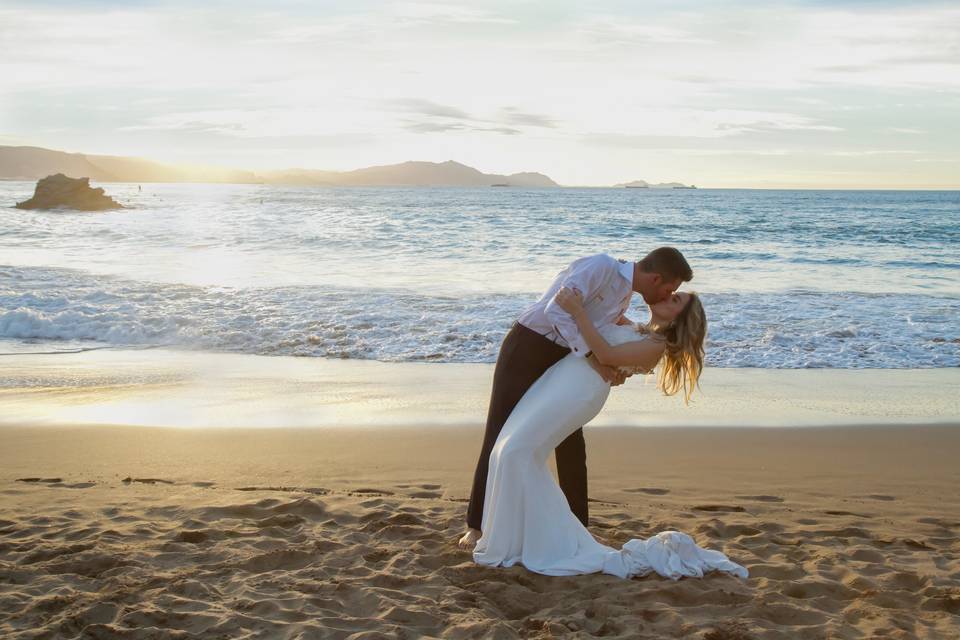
(526, 517)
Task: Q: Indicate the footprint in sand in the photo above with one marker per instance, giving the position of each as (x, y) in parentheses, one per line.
(426, 494)
(370, 492)
(653, 491)
(880, 496)
(761, 498)
(915, 544)
(318, 491)
(128, 480)
(940, 522)
(718, 507)
(847, 513)
(868, 555)
(943, 602)
(58, 482)
(426, 491)
(193, 537)
(79, 485)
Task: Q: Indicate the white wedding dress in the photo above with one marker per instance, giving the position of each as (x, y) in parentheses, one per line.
(526, 517)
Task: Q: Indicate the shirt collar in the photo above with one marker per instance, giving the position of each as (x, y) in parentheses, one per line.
(626, 270)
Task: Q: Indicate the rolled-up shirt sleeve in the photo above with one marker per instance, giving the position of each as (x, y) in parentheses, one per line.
(586, 275)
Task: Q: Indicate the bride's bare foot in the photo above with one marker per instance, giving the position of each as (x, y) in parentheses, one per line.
(469, 539)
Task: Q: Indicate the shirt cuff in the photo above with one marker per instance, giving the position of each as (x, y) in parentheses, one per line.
(579, 347)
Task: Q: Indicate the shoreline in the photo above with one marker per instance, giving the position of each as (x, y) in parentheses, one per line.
(161, 387)
(334, 511)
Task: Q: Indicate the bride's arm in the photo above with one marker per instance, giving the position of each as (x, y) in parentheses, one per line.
(639, 353)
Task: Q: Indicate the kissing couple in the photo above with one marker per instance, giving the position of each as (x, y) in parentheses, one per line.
(553, 375)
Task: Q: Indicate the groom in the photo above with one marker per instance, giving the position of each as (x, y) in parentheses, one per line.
(544, 334)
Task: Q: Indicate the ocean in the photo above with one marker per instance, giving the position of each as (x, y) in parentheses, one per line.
(790, 279)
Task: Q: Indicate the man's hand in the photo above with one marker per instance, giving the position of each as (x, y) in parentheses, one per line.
(570, 300)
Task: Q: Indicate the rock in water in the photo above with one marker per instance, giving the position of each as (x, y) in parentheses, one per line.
(73, 193)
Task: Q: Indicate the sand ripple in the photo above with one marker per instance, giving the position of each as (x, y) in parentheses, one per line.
(193, 560)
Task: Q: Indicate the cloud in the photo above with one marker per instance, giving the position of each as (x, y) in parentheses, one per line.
(420, 13)
(442, 118)
(443, 127)
(873, 152)
(693, 128)
(650, 142)
(737, 121)
(616, 31)
(427, 108)
(225, 122)
(196, 126)
(852, 68)
(418, 78)
(511, 115)
(433, 127)
(734, 152)
(507, 131)
(772, 125)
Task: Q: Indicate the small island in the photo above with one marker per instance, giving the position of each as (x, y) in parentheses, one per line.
(643, 184)
(60, 191)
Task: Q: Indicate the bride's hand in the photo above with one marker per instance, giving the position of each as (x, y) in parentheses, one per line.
(613, 375)
(570, 300)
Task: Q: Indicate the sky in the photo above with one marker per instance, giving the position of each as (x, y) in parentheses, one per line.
(800, 94)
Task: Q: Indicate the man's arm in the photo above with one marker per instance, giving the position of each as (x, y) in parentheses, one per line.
(641, 353)
(586, 276)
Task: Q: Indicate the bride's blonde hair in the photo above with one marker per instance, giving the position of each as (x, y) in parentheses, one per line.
(682, 359)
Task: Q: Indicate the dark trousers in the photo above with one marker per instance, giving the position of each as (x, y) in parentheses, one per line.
(524, 356)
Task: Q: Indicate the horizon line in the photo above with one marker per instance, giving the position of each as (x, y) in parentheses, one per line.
(255, 172)
(453, 186)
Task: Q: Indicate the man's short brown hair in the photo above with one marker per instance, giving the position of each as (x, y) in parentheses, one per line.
(669, 263)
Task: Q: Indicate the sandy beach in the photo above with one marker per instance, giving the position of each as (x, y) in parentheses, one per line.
(323, 529)
(259, 262)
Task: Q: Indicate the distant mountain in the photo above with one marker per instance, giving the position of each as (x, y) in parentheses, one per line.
(31, 163)
(528, 179)
(410, 173)
(137, 170)
(672, 185)
(641, 184)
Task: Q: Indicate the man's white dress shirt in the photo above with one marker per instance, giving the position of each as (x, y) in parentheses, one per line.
(606, 285)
